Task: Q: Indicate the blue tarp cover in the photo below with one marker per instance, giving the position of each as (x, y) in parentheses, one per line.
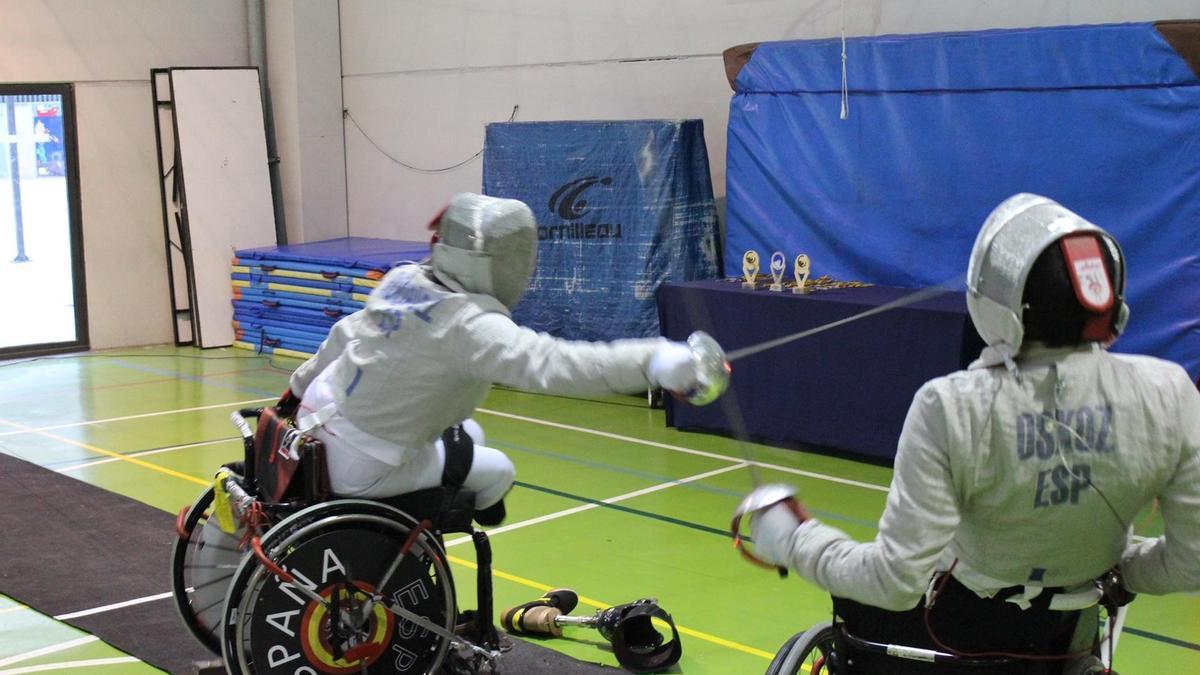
(622, 206)
(943, 127)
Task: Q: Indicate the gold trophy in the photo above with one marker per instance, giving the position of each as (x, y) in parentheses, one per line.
(778, 265)
(801, 269)
(749, 268)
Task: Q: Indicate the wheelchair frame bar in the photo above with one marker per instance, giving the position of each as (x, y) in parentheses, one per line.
(239, 419)
(916, 653)
(422, 526)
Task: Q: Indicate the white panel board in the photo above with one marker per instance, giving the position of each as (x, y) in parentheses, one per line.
(227, 190)
(127, 298)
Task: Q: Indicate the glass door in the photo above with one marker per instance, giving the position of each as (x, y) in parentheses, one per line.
(42, 302)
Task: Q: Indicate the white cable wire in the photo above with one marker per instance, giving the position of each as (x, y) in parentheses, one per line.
(845, 82)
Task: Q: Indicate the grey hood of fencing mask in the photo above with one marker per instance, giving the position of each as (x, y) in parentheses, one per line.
(1012, 238)
(486, 245)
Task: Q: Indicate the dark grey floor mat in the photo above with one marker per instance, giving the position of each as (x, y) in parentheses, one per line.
(68, 546)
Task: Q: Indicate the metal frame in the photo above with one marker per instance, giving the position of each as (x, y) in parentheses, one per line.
(74, 217)
(182, 228)
(180, 231)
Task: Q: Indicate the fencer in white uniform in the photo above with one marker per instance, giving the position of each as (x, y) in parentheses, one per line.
(431, 341)
(1028, 468)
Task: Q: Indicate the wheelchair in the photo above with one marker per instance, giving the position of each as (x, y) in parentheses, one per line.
(302, 581)
(829, 648)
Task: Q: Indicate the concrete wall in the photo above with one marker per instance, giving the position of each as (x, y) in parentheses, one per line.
(107, 49)
(423, 77)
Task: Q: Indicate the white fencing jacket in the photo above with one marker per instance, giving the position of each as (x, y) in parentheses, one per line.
(984, 476)
(421, 357)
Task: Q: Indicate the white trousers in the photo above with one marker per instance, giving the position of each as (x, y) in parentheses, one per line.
(364, 465)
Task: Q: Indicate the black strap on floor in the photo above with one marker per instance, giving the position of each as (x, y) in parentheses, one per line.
(68, 546)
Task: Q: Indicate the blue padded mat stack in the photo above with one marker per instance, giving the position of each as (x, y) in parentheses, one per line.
(286, 298)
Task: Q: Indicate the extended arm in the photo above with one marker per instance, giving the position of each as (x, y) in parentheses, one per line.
(495, 349)
(919, 521)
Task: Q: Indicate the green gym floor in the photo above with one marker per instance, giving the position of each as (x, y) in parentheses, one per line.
(609, 502)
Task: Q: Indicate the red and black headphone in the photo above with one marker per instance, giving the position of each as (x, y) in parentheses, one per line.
(1096, 291)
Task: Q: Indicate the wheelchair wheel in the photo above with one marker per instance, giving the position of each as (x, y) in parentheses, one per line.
(339, 551)
(810, 652)
(203, 560)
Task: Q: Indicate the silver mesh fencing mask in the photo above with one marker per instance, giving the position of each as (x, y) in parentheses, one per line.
(1011, 239)
(486, 245)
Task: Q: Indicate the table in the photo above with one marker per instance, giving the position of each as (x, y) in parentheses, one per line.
(848, 388)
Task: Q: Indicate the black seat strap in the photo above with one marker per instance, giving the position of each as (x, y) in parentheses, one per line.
(460, 454)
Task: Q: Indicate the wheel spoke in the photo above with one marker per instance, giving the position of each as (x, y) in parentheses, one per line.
(210, 583)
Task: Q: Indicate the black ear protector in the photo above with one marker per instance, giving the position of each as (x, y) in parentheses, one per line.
(1120, 311)
(1099, 293)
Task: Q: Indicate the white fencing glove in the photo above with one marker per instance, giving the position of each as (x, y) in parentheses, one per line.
(772, 530)
(774, 513)
(696, 370)
(673, 368)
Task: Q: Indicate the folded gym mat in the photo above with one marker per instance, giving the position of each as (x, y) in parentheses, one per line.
(271, 266)
(261, 338)
(335, 283)
(89, 548)
(302, 290)
(267, 349)
(269, 298)
(249, 311)
(278, 337)
(362, 253)
(339, 275)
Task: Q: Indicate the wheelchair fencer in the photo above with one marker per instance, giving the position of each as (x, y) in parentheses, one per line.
(831, 648)
(275, 574)
(828, 648)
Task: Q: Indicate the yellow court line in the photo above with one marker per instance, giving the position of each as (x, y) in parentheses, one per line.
(109, 453)
(14, 608)
(604, 605)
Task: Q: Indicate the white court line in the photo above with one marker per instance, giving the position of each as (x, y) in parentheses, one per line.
(611, 500)
(60, 647)
(690, 451)
(143, 453)
(87, 663)
(109, 608)
(231, 404)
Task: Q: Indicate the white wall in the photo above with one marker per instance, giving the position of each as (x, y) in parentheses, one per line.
(304, 67)
(108, 48)
(423, 77)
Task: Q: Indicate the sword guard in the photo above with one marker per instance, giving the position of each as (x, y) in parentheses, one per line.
(761, 499)
(712, 366)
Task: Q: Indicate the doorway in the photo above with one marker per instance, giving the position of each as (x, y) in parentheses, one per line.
(42, 299)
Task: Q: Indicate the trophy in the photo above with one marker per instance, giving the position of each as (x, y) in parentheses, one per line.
(636, 642)
(778, 265)
(749, 268)
(801, 269)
